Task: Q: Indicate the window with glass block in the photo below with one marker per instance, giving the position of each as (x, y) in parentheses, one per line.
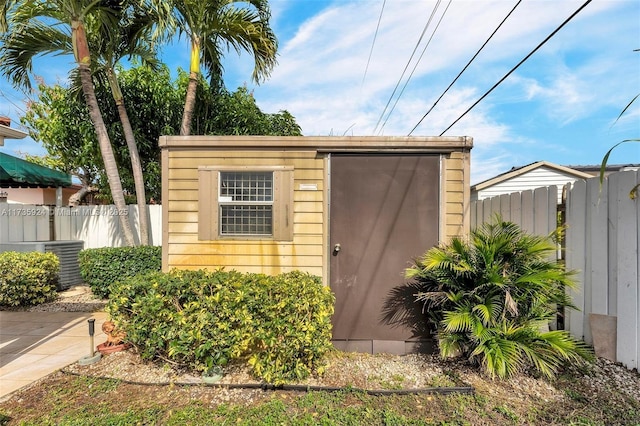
(246, 203)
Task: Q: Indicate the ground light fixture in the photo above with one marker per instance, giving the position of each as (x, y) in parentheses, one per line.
(93, 355)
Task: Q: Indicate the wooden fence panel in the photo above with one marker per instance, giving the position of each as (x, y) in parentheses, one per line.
(505, 206)
(516, 208)
(575, 255)
(612, 244)
(527, 218)
(602, 244)
(627, 260)
(534, 211)
(596, 265)
(473, 214)
(24, 222)
(97, 226)
(61, 224)
(486, 211)
(545, 210)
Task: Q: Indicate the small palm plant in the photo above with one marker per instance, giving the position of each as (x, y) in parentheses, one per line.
(491, 300)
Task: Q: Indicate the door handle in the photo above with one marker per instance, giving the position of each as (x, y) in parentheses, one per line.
(336, 249)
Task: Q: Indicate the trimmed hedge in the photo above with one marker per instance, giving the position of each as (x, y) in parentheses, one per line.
(101, 267)
(28, 278)
(280, 325)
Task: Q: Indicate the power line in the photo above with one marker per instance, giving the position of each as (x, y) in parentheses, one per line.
(465, 68)
(6, 96)
(375, 35)
(415, 66)
(408, 62)
(518, 65)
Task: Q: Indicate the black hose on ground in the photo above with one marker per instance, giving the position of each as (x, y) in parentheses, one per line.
(302, 388)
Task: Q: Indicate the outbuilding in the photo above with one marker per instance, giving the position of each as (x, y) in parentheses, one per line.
(352, 210)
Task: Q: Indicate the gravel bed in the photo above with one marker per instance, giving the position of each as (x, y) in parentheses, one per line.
(75, 299)
(352, 369)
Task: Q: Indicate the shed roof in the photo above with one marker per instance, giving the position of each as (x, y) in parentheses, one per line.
(518, 171)
(16, 172)
(334, 144)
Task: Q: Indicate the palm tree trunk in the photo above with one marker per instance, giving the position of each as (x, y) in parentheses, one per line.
(189, 105)
(136, 165)
(81, 51)
(190, 99)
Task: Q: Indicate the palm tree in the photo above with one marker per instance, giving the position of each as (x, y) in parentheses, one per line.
(45, 27)
(211, 25)
(129, 38)
(491, 300)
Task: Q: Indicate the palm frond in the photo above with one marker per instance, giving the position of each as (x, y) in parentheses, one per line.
(458, 321)
(605, 159)
(548, 351)
(24, 43)
(434, 298)
(541, 359)
(501, 288)
(624, 110)
(489, 310)
(451, 345)
(499, 356)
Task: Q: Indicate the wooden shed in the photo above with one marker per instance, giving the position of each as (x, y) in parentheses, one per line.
(353, 210)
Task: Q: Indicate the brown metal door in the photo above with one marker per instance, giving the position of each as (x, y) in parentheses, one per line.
(384, 213)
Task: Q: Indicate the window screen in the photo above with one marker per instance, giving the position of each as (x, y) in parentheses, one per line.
(246, 203)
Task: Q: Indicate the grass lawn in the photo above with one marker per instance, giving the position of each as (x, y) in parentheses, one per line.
(69, 399)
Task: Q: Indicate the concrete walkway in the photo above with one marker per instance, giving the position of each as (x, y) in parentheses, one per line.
(36, 344)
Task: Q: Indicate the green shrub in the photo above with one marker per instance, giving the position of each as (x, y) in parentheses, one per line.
(280, 325)
(101, 267)
(490, 300)
(28, 278)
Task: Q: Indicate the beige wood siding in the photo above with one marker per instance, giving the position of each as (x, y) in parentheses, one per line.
(298, 241)
(187, 246)
(455, 196)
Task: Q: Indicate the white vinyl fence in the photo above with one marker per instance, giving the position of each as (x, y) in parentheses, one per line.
(535, 211)
(97, 226)
(601, 244)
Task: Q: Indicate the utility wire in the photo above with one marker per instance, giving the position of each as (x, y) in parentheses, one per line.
(407, 66)
(415, 66)
(375, 35)
(518, 65)
(5, 95)
(465, 68)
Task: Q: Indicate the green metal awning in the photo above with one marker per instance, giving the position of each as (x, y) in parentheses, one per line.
(18, 173)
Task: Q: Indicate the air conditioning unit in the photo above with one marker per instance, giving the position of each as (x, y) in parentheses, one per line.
(67, 252)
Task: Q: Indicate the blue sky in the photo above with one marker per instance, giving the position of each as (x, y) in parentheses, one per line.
(559, 106)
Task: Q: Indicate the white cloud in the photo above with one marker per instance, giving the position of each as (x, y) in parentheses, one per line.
(319, 78)
(321, 68)
(587, 67)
